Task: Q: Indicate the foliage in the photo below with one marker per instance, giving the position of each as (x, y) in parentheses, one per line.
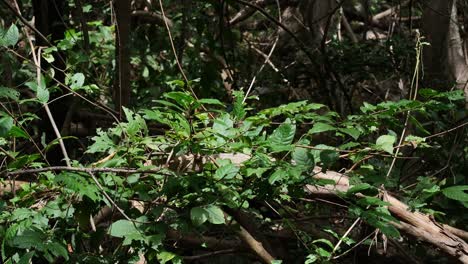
(177, 153)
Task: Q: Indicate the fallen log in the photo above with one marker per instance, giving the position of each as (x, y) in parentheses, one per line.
(422, 226)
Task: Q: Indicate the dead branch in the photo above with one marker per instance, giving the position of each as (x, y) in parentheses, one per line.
(153, 17)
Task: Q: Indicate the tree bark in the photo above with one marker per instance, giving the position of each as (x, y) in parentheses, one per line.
(122, 89)
(444, 59)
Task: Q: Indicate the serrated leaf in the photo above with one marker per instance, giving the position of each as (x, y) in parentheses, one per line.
(389, 230)
(210, 101)
(6, 123)
(282, 137)
(165, 256)
(77, 81)
(42, 92)
(26, 258)
(321, 127)
(215, 215)
(353, 132)
(181, 98)
(385, 143)
(328, 157)
(9, 93)
(358, 188)
(458, 193)
(102, 143)
(276, 176)
(18, 132)
(303, 157)
(227, 172)
(10, 37)
(29, 238)
(198, 215)
(238, 109)
(367, 200)
(324, 241)
(123, 228)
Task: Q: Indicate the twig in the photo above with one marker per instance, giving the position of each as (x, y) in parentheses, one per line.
(25, 22)
(447, 131)
(175, 51)
(109, 198)
(267, 59)
(37, 62)
(388, 11)
(76, 169)
(256, 246)
(214, 253)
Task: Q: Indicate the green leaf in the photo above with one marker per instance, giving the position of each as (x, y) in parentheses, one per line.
(42, 92)
(215, 215)
(385, 143)
(6, 123)
(367, 200)
(458, 193)
(29, 238)
(165, 256)
(321, 127)
(26, 258)
(198, 215)
(227, 172)
(353, 132)
(102, 143)
(282, 137)
(276, 176)
(389, 231)
(210, 213)
(79, 185)
(11, 37)
(328, 157)
(324, 241)
(124, 229)
(18, 132)
(9, 93)
(303, 157)
(359, 188)
(238, 108)
(224, 126)
(181, 98)
(76, 81)
(210, 101)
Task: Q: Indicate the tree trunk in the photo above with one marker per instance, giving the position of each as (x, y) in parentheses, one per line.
(445, 59)
(122, 89)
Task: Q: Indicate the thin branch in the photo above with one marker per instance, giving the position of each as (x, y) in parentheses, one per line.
(25, 22)
(86, 170)
(255, 245)
(37, 62)
(171, 40)
(267, 59)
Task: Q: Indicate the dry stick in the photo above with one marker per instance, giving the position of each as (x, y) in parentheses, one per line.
(346, 234)
(25, 22)
(267, 59)
(427, 229)
(413, 95)
(102, 107)
(86, 170)
(348, 29)
(175, 52)
(17, 13)
(37, 62)
(388, 11)
(256, 246)
(46, 105)
(109, 198)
